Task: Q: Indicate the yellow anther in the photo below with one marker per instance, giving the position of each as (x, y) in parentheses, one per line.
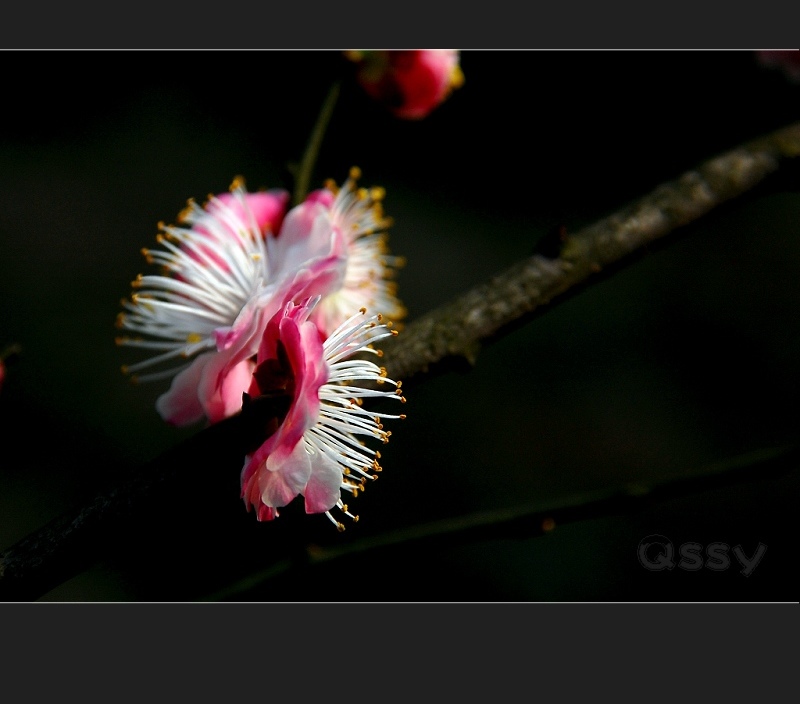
(394, 333)
(402, 416)
(193, 337)
(456, 77)
(377, 193)
(340, 527)
(355, 173)
(362, 310)
(238, 182)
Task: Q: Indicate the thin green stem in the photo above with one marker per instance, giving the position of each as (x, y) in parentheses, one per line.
(306, 168)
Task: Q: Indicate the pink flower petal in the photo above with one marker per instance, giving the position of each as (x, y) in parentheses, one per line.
(180, 405)
(324, 486)
(268, 208)
(280, 485)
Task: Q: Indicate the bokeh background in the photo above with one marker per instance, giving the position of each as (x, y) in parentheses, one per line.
(685, 358)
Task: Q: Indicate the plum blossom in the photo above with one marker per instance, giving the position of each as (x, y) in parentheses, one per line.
(226, 271)
(214, 298)
(409, 83)
(316, 450)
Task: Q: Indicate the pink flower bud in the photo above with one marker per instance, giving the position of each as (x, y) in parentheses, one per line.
(410, 83)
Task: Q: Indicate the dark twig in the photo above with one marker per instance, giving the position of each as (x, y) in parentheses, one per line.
(75, 540)
(538, 519)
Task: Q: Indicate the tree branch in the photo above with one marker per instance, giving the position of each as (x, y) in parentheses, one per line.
(453, 333)
(74, 541)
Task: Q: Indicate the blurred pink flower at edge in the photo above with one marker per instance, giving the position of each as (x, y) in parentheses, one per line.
(9, 354)
(787, 60)
(409, 83)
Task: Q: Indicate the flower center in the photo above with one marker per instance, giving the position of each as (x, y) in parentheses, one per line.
(274, 378)
(275, 375)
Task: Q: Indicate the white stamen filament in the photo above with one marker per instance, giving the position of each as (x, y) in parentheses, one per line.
(341, 419)
(217, 267)
(357, 212)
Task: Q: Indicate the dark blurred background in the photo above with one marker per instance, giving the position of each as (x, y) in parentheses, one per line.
(685, 358)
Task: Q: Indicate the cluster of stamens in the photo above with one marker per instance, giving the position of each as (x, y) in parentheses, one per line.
(209, 271)
(342, 415)
(369, 277)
